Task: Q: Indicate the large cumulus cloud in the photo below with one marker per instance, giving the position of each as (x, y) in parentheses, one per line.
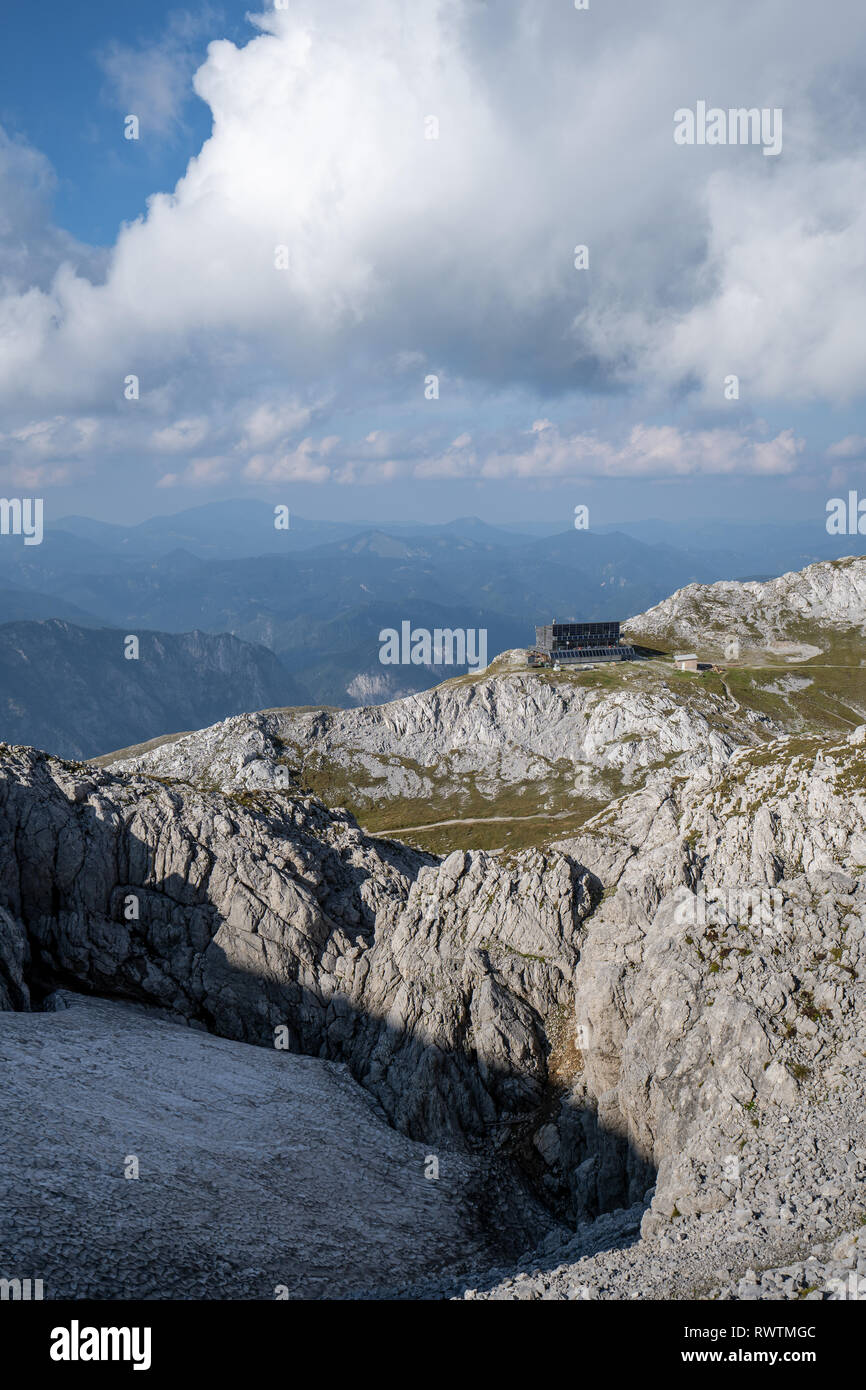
(407, 256)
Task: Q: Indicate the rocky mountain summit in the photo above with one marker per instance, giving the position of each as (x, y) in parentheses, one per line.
(514, 745)
(645, 1044)
(509, 745)
(762, 616)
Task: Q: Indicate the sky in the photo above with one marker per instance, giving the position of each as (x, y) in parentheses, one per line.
(338, 266)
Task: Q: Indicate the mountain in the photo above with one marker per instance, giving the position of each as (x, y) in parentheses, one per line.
(244, 527)
(321, 611)
(513, 756)
(643, 1043)
(754, 547)
(72, 690)
(510, 757)
(761, 616)
(235, 529)
(23, 605)
(319, 595)
(622, 562)
(792, 647)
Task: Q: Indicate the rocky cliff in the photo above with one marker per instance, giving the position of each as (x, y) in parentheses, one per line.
(524, 751)
(644, 1014)
(762, 616)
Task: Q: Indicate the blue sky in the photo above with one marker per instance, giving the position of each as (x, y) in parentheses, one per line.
(411, 257)
(67, 106)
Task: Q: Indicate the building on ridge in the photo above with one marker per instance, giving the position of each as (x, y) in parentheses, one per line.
(578, 644)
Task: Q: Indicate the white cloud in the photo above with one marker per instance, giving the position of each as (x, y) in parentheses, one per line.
(273, 420)
(152, 80)
(180, 436)
(305, 464)
(30, 247)
(456, 255)
(853, 446)
(649, 451)
(787, 264)
(199, 472)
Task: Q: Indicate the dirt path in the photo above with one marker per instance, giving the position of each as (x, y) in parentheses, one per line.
(467, 820)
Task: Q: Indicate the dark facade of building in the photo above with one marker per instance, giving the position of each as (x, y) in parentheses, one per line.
(578, 643)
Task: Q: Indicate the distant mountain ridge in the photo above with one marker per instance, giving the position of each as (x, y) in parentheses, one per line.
(244, 527)
(321, 609)
(511, 754)
(318, 596)
(71, 690)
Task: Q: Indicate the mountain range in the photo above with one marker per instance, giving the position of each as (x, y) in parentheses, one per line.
(618, 1055)
(318, 595)
(73, 689)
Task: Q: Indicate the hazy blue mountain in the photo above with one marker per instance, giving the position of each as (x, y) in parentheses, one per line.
(17, 605)
(624, 560)
(237, 528)
(465, 527)
(319, 595)
(71, 690)
(61, 553)
(245, 527)
(753, 547)
(338, 659)
(284, 601)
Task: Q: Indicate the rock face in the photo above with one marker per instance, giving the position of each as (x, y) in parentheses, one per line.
(831, 593)
(562, 744)
(664, 1000)
(509, 729)
(440, 985)
(722, 984)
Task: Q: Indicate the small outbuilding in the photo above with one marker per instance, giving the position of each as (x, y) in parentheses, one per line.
(686, 661)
